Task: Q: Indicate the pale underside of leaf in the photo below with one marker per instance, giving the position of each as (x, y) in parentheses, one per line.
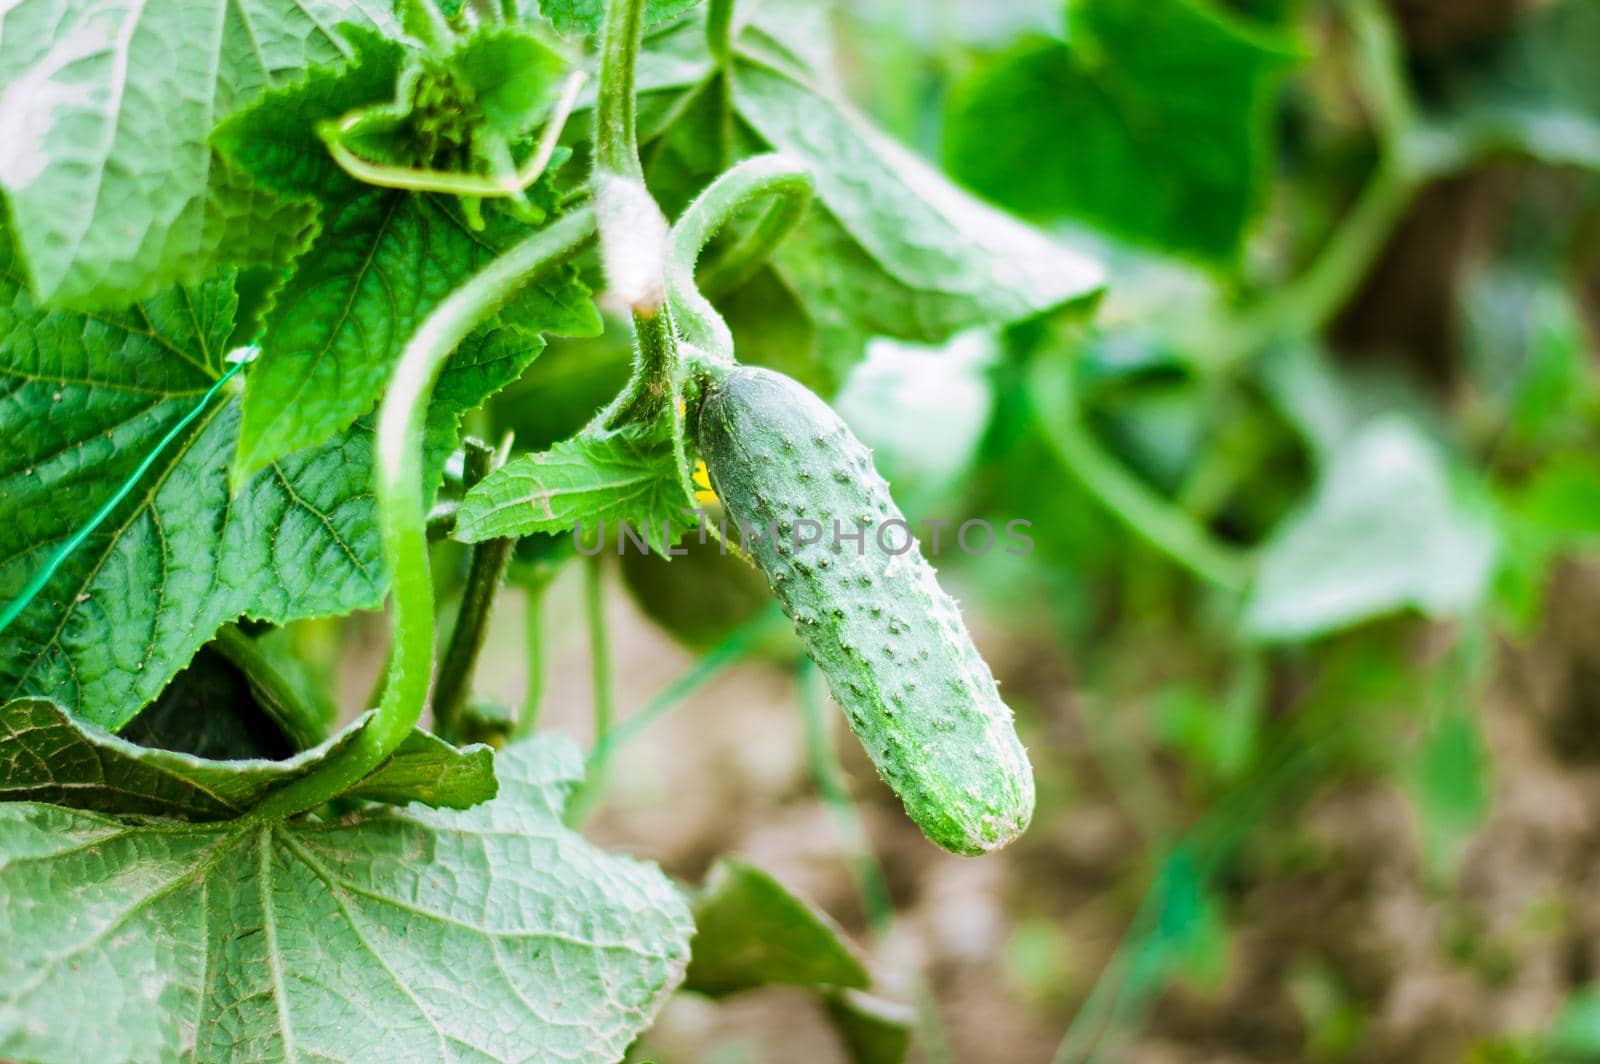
(491, 934)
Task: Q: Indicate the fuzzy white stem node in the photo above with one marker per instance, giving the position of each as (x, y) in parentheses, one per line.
(633, 243)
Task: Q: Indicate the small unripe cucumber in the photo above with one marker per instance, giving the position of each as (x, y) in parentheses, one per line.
(891, 643)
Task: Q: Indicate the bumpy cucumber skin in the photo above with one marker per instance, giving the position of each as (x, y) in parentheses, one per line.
(891, 643)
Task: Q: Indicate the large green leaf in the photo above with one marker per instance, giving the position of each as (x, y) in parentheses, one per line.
(104, 114)
(83, 399)
(1150, 121)
(381, 262)
(49, 757)
(384, 261)
(892, 247)
(750, 931)
(628, 476)
(493, 934)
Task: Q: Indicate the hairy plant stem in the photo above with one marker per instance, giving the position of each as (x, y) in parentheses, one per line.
(594, 783)
(401, 517)
(485, 573)
(653, 389)
(719, 43)
(752, 180)
(719, 32)
(1308, 305)
(655, 369)
(775, 175)
(616, 140)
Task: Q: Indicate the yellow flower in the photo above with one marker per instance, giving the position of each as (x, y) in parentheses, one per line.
(702, 482)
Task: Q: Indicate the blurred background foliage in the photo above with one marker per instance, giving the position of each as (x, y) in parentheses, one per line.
(1306, 653)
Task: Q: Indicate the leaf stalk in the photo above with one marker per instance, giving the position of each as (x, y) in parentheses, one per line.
(485, 574)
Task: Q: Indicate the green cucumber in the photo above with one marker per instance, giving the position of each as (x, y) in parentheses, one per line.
(891, 643)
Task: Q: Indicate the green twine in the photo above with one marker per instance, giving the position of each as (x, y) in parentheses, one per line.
(48, 570)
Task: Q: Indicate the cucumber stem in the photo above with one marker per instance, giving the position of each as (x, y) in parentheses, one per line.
(655, 371)
(719, 27)
(719, 43)
(593, 787)
(764, 175)
(775, 175)
(485, 573)
(1306, 306)
(632, 228)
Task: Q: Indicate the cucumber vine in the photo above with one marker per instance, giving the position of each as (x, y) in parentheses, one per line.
(456, 320)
